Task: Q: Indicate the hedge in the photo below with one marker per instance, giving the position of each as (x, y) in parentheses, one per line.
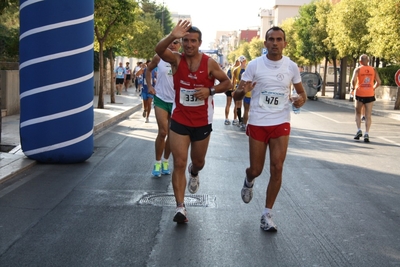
(387, 74)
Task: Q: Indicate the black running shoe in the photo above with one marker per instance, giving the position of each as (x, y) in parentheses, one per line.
(358, 135)
(366, 138)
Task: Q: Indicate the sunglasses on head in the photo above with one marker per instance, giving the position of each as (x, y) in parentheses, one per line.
(176, 42)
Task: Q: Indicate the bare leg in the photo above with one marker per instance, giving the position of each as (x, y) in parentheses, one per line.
(257, 150)
(162, 144)
(179, 149)
(277, 152)
(358, 114)
(368, 115)
(228, 106)
(198, 153)
(246, 113)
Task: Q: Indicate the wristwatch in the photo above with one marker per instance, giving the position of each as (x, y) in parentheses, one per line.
(212, 91)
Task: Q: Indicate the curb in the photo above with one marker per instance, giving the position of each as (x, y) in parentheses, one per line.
(23, 163)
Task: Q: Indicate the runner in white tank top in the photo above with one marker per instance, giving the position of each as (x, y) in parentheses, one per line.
(164, 97)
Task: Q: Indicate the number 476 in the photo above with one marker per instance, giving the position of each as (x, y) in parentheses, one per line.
(272, 100)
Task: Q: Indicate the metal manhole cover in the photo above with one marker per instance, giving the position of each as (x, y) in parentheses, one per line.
(163, 199)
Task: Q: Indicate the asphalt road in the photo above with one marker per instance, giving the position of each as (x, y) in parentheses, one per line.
(339, 204)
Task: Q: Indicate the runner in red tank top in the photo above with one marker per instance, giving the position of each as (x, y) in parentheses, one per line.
(193, 108)
(365, 80)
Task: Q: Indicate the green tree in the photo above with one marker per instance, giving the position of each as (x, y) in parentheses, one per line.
(384, 29)
(255, 48)
(108, 15)
(291, 49)
(9, 32)
(307, 41)
(7, 4)
(348, 29)
(144, 38)
(324, 40)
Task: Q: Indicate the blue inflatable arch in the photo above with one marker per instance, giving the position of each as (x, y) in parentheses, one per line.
(56, 80)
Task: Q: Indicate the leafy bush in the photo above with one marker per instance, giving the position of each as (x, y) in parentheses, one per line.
(387, 74)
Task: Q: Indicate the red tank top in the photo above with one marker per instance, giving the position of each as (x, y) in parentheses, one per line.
(187, 109)
(365, 82)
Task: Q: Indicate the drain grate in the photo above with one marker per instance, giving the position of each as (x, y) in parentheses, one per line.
(163, 199)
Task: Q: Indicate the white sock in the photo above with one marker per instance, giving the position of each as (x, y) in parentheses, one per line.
(165, 160)
(157, 161)
(248, 184)
(266, 211)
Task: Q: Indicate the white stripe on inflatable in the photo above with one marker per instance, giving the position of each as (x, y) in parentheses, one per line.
(55, 56)
(59, 145)
(57, 115)
(56, 85)
(56, 26)
(27, 3)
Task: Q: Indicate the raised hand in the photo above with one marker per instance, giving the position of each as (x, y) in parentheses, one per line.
(181, 29)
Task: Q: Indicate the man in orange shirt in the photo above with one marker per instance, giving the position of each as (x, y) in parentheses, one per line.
(365, 80)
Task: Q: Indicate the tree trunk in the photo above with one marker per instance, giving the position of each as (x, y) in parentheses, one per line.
(397, 103)
(112, 80)
(342, 80)
(324, 78)
(335, 89)
(100, 102)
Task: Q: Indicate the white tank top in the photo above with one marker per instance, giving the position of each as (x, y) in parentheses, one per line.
(165, 83)
(270, 104)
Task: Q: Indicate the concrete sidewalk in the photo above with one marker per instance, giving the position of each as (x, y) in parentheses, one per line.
(15, 161)
(384, 108)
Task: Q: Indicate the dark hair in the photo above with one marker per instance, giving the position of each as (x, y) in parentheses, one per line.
(195, 29)
(275, 28)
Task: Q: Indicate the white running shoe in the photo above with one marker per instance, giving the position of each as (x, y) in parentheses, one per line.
(267, 224)
(194, 181)
(180, 215)
(247, 192)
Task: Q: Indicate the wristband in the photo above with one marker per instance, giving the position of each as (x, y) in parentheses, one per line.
(212, 91)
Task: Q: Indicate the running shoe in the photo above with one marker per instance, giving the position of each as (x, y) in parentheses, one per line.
(227, 122)
(165, 168)
(362, 118)
(366, 138)
(234, 122)
(358, 135)
(180, 215)
(156, 170)
(194, 181)
(147, 120)
(144, 114)
(247, 192)
(267, 224)
(243, 127)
